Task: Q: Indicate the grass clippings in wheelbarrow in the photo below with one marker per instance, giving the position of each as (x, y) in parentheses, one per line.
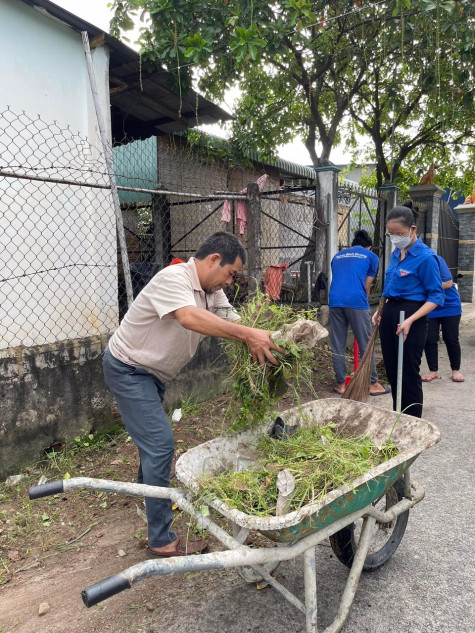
(256, 388)
(319, 459)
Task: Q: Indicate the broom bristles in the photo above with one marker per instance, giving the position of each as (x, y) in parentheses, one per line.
(358, 389)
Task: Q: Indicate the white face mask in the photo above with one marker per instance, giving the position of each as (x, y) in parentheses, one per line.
(400, 241)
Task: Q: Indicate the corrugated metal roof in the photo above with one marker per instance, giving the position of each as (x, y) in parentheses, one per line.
(285, 167)
(142, 103)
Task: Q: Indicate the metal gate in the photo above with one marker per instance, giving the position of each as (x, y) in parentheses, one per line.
(448, 242)
(362, 208)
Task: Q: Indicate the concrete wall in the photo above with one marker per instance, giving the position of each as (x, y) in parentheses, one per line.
(51, 393)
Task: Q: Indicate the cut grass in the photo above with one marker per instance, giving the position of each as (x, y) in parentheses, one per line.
(256, 388)
(319, 459)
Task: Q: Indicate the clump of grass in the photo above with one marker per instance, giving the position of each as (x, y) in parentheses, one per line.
(256, 388)
(319, 458)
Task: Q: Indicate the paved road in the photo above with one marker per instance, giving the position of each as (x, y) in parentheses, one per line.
(428, 585)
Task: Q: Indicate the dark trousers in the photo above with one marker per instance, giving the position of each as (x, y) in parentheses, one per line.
(139, 397)
(411, 393)
(360, 322)
(450, 334)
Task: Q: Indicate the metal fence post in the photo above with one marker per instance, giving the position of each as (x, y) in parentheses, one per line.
(328, 197)
(110, 169)
(389, 192)
(254, 236)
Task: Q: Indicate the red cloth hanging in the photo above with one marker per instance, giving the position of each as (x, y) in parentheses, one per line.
(273, 280)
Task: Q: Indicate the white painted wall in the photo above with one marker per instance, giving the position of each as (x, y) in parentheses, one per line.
(48, 232)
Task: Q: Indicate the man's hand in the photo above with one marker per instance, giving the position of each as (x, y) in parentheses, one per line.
(260, 345)
(204, 322)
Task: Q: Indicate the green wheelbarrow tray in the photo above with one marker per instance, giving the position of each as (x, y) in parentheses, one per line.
(410, 435)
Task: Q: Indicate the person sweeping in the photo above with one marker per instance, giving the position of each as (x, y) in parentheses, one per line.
(413, 284)
(353, 272)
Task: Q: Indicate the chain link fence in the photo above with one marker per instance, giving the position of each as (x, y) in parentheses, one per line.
(62, 277)
(199, 194)
(59, 272)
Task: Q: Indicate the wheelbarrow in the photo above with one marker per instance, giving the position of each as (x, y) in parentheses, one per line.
(365, 521)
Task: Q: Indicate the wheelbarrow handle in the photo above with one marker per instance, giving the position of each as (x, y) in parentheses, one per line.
(44, 490)
(104, 589)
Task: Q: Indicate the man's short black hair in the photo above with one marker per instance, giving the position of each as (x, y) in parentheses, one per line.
(225, 244)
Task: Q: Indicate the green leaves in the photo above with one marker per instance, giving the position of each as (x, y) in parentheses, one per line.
(246, 43)
(198, 49)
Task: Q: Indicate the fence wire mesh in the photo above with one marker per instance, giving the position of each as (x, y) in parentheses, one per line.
(59, 274)
(360, 208)
(62, 277)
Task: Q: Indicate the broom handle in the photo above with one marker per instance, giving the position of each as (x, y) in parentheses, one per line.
(356, 355)
(400, 351)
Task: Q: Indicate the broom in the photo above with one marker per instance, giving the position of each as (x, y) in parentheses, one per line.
(358, 389)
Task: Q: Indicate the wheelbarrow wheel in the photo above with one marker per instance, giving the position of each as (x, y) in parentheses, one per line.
(385, 539)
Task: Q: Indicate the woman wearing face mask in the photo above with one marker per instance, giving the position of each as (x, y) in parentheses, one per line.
(413, 284)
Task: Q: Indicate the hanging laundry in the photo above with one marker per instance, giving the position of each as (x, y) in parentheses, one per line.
(241, 207)
(226, 212)
(273, 280)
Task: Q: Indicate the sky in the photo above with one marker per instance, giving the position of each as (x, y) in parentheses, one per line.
(97, 12)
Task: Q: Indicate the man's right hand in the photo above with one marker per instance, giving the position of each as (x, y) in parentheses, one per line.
(260, 345)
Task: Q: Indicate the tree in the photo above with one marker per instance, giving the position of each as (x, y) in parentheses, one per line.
(302, 65)
(415, 109)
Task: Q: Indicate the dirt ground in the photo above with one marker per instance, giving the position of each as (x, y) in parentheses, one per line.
(52, 548)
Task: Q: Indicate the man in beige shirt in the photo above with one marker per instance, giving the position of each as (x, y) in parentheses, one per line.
(157, 337)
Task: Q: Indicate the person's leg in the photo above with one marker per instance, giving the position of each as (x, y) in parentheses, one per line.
(139, 397)
(450, 334)
(338, 335)
(360, 323)
(431, 349)
(389, 344)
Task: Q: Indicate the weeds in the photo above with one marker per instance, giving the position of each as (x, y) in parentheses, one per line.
(34, 526)
(256, 388)
(190, 407)
(319, 459)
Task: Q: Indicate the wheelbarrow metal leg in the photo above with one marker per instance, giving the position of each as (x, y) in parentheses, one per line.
(407, 484)
(310, 578)
(353, 577)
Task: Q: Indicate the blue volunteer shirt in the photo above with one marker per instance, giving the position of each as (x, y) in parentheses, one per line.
(417, 277)
(350, 268)
(453, 304)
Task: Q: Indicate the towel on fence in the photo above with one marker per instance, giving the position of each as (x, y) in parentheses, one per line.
(273, 280)
(241, 207)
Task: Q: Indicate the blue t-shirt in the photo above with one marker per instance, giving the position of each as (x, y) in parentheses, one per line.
(453, 304)
(350, 268)
(417, 277)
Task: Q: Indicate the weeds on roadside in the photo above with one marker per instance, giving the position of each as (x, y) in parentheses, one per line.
(190, 407)
(34, 526)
